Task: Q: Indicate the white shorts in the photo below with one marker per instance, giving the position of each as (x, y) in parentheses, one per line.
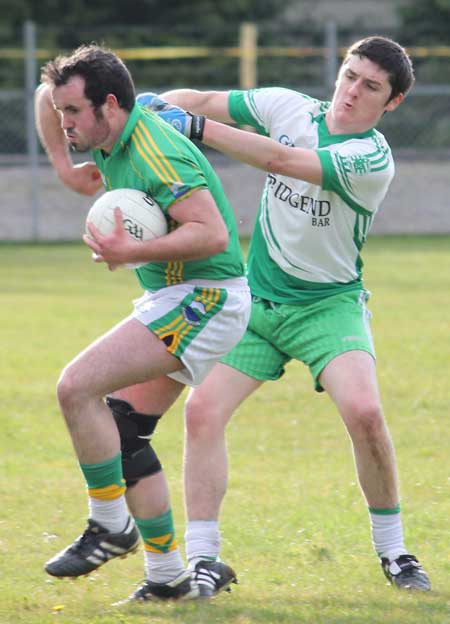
(198, 321)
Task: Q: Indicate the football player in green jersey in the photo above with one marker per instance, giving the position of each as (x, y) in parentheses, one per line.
(195, 307)
(329, 169)
(316, 181)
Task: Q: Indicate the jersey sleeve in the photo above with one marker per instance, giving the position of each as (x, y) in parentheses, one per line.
(359, 172)
(260, 108)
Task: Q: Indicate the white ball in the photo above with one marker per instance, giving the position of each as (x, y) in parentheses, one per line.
(143, 219)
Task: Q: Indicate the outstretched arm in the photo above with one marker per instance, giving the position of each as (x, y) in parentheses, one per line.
(213, 104)
(253, 149)
(83, 178)
(263, 152)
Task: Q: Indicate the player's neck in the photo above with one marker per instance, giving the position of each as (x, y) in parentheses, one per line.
(117, 124)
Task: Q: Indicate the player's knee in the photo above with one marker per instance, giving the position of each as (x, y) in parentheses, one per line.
(204, 417)
(139, 459)
(68, 389)
(364, 418)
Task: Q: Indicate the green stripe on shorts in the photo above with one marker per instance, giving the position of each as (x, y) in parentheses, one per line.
(179, 327)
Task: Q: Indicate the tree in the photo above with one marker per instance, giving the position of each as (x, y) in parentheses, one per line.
(425, 22)
(162, 20)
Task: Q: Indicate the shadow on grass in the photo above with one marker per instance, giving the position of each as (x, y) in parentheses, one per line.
(432, 608)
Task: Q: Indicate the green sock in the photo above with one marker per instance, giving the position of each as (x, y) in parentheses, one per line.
(158, 533)
(105, 479)
(163, 560)
(106, 489)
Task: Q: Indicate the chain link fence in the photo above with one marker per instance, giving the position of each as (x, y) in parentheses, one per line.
(34, 205)
(12, 125)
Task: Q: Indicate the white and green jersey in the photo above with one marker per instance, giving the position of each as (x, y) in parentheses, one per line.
(307, 238)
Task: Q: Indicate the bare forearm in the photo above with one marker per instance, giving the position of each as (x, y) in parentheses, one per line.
(83, 178)
(263, 152)
(190, 241)
(241, 145)
(50, 132)
(213, 104)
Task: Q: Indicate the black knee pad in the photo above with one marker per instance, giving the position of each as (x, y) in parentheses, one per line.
(138, 457)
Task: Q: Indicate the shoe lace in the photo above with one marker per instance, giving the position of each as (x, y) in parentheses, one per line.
(407, 561)
(404, 565)
(143, 589)
(84, 542)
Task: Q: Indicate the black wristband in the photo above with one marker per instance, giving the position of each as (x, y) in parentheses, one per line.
(197, 126)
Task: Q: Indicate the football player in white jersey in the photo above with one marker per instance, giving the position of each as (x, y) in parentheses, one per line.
(329, 170)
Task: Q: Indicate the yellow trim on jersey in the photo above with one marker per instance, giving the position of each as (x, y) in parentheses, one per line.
(162, 156)
(189, 193)
(161, 174)
(110, 492)
(174, 272)
(165, 129)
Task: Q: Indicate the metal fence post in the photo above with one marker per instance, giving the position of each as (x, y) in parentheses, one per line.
(29, 40)
(331, 56)
(248, 43)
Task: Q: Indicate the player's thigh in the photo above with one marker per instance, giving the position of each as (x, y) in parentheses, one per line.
(220, 394)
(128, 354)
(350, 380)
(155, 396)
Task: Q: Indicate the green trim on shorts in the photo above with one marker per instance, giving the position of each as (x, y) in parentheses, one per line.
(313, 333)
(179, 327)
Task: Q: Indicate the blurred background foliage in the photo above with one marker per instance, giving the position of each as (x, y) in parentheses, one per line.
(62, 25)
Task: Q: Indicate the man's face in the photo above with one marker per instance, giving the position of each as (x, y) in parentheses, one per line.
(360, 98)
(84, 127)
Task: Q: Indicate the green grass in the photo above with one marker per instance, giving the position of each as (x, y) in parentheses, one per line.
(294, 522)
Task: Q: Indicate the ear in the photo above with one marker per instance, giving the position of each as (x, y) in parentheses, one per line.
(392, 104)
(111, 104)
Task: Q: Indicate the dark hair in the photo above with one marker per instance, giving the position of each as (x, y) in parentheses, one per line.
(391, 57)
(102, 70)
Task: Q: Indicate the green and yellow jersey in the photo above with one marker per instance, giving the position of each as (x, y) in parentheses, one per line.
(153, 157)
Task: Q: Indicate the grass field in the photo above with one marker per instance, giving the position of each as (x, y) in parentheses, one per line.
(294, 523)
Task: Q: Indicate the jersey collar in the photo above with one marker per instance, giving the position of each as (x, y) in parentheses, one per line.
(326, 138)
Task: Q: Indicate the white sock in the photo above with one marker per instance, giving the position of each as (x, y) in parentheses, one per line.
(163, 567)
(202, 539)
(387, 535)
(111, 514)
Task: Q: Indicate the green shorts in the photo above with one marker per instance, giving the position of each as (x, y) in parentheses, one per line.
(312, 333)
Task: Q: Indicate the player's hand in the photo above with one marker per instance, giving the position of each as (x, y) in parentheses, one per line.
(187, 123)
(84, 178)
(115, 249)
